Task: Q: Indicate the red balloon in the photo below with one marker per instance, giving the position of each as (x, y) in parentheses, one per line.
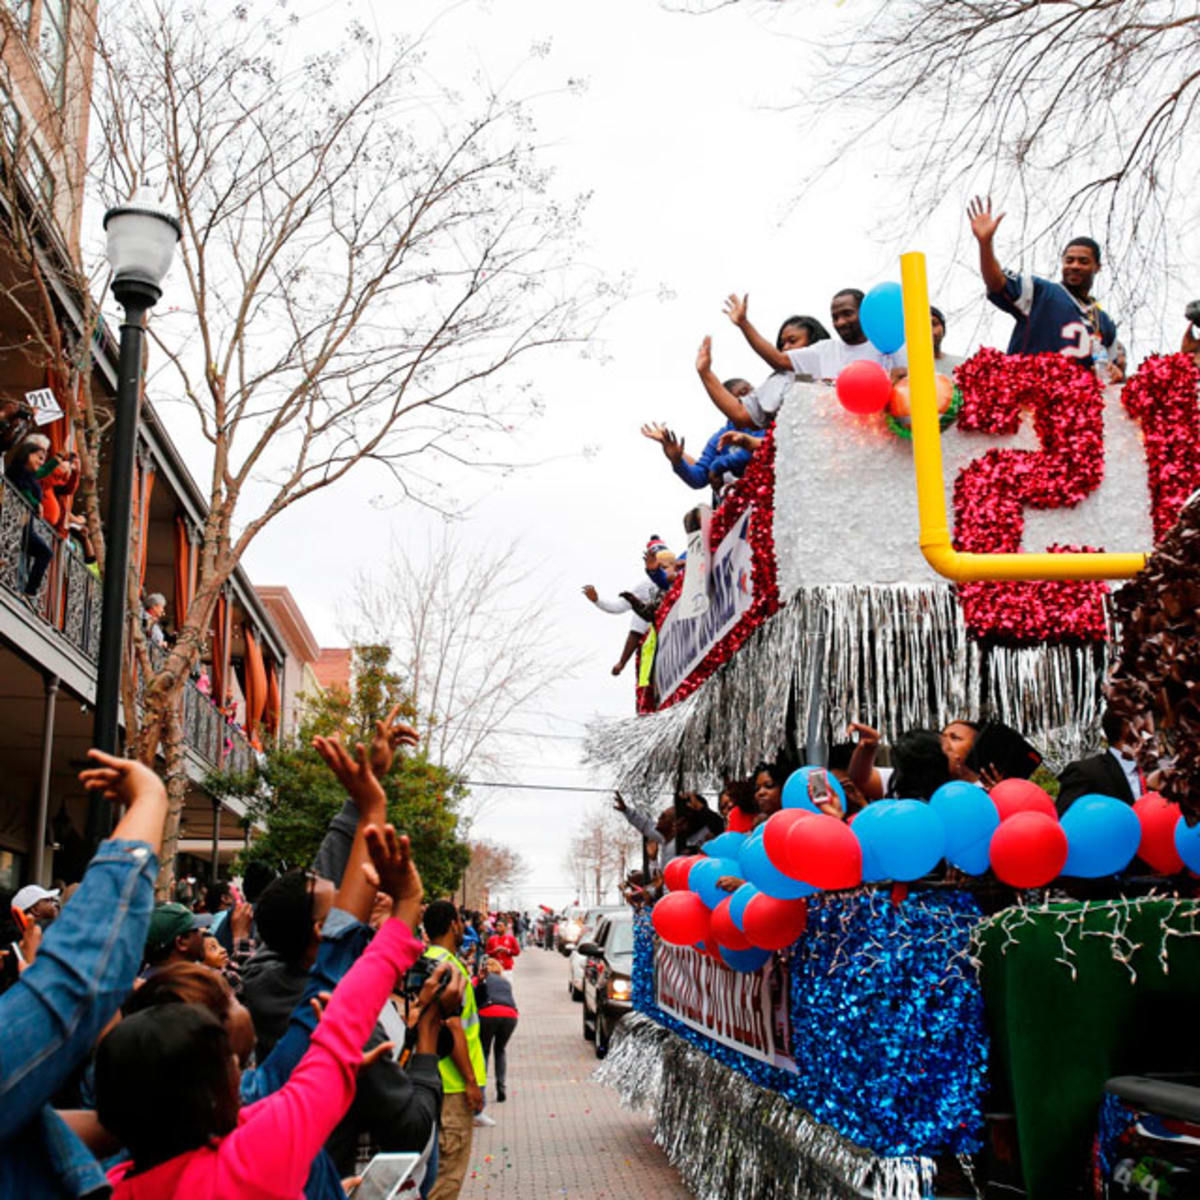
(772, 924)
(1028, 849)
(824, 852)
(739, 821)
(1012, 796)
(775, 834)
(724, 931)
(864, 387)
(680, 918)
(675, 873)
(1157, 847)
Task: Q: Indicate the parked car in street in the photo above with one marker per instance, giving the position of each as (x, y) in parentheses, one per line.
(566, 936)
(575, 963)
(607, 978)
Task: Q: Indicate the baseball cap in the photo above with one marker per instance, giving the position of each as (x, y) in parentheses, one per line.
(30, 894)
(169, 921)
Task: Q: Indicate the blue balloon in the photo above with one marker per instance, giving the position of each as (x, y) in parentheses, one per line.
(703, 876)
(908, 840)
(969, 818)
(738, 902)
(795, 789)
(744, 960)
(1102, 836)
(762, 872)
(882, 317)
(724, 845)
(1187, 842)
(865, 827)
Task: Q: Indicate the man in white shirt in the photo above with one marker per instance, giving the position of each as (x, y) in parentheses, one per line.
(661, 567)
(820, 360)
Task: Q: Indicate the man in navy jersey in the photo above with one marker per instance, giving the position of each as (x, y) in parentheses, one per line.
(1062, 318)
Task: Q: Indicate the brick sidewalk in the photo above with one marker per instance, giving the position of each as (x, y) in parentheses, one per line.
(559, 1135)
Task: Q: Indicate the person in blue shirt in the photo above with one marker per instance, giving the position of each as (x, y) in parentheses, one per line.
(1058, 318)
(716, 466)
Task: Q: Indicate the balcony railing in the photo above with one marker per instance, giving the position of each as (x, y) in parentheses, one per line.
(68, 597)
(67, 602)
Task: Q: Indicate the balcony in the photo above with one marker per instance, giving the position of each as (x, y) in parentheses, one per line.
(68, 601)
(67, 606)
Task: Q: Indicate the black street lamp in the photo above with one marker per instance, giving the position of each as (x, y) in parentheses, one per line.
(141, 242)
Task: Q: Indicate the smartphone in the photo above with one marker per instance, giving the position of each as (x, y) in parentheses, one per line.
(818, 787)
(385, 1175)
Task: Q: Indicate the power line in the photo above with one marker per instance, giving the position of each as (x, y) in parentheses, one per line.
(547, 787)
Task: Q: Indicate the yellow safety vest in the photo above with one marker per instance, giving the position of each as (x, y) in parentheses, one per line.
(452, 1079)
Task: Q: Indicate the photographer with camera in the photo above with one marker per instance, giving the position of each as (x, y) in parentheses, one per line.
(15, 416)
(1191, 343)
(462, 1068)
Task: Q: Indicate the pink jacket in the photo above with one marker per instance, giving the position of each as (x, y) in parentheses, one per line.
(270, 1152)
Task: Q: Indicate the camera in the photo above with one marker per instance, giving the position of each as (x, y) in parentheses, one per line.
(416, 976)
(1192, 312)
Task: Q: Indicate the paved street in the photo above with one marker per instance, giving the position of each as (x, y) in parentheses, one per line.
(559, 1134)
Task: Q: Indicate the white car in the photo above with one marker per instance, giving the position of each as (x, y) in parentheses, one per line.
(576, 961)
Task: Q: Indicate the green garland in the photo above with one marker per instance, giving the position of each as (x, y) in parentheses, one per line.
(944, 422)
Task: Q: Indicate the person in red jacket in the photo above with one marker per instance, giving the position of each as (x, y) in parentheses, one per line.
(502, 946)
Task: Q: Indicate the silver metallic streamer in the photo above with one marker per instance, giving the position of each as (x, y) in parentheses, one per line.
(732, 1140)
(896, 656)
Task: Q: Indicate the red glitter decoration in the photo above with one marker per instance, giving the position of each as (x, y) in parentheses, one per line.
(990, 495)
(756, 487)
(1161, 397)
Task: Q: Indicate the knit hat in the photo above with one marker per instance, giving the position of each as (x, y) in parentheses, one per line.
(655, 545)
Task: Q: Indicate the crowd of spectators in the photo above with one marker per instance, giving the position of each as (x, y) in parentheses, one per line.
(268, 1040)
(853, 776)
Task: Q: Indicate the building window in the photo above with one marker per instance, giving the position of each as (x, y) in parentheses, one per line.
(52, 42)
(12, 869)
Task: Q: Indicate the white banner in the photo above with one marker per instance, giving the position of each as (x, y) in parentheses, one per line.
(683, 640)
(734, 1008)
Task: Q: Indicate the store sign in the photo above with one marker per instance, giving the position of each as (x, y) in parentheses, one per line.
(746, 1011)
(684, 641)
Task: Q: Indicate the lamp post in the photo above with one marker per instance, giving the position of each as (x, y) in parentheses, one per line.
(141, 242)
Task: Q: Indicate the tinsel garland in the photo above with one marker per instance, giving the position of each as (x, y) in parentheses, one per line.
(991, 494)
(895, 656)
(1161, 397)
(729, 1122)
(887, 1022)
(731, 1139)
(756, 487)
(1157, 675)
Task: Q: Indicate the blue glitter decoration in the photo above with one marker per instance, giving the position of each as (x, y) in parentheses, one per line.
(887, 1021)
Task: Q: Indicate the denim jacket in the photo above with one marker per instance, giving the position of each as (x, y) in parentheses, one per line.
(53, 1014)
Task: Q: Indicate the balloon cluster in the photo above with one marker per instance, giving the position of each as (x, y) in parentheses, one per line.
(1014, 830)
(864, 386)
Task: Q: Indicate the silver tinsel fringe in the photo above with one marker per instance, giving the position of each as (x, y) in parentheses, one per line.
(732, 1140)
(895, 656)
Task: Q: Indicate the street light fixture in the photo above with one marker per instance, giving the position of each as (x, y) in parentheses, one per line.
(142, 236)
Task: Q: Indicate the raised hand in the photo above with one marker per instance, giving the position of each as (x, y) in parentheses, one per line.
(240, 921)
(866, 735)
(390, 734)
(739, 438)
(735, 309)
(619, 802)
(704, 356)
(655, 432)
(354, 774)
(590, 592)
(120, 779)
(392, 870)
(983, 224)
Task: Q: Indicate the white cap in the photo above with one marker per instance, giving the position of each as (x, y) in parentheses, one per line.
(30, 894)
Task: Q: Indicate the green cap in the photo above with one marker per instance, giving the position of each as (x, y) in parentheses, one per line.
(169, 921)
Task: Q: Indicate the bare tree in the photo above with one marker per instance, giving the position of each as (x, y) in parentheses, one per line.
(492, 868)
(473, 641)
(1078, 113)
(600, 854)
(365, 259)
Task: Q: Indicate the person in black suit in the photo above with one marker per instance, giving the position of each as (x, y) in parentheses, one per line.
(1113, 773)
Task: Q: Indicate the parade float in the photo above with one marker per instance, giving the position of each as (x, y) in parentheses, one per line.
(858, 1019)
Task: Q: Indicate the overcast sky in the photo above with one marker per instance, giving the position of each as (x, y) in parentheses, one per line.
(693, 166)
